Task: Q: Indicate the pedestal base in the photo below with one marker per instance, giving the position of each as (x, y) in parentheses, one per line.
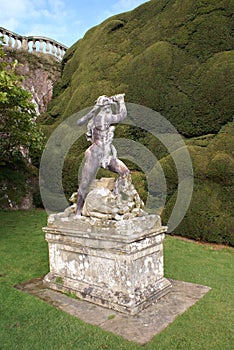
(119, 270)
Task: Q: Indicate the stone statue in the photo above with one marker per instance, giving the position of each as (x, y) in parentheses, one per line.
(102, 152)
(104, 247)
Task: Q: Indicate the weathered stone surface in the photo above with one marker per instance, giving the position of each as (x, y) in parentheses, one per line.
(108, 199)
(112, 254)
(39, 82)
(130, 228)
(139, 328)
(113, 200)
(118, 264)
(107, 182)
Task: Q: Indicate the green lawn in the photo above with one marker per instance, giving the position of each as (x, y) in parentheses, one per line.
(26, 322)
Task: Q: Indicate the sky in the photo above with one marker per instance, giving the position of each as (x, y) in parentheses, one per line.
(65, 21)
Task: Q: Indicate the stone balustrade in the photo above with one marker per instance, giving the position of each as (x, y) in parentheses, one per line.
(33, 43)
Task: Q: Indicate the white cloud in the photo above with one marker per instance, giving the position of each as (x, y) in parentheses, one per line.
(13, 8)
(49, 18)
(121, 6)
(15, 12)
(63, 20)
(125, 5)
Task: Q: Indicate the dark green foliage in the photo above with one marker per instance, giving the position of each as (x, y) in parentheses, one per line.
(210, 216)
(18, 127)
(139, 181)
(17, 181)
(70, 175)
(12, 187)
(175, 57)
(35, 60)
(37, 201)
(221, 169)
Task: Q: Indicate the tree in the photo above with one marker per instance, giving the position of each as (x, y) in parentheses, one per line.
(19, 131)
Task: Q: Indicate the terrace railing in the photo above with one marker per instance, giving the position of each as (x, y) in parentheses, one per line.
(33, 43)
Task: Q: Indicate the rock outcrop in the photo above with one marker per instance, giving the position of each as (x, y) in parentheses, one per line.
(40, 72)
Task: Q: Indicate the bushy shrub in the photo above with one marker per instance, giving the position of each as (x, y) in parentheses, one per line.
(208, 218)
(173, 58)
(221, 169)
(177, 59)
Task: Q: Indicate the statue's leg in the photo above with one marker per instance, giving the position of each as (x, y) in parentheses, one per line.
(92, 161)
(117, 166)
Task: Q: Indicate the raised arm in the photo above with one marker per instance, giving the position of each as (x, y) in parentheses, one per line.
(116, 118)
(88, 116)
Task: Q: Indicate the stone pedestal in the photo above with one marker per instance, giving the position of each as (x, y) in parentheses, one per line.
(116, 264)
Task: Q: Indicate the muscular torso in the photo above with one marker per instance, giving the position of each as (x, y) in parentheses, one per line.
(102, 121)
(101, 129)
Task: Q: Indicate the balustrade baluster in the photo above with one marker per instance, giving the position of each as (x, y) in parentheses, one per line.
(41, 45)
(16, 46)
(53, 49)
(34, 47)
(58, 52)
(24, 44)
(4, 36)
(10, 41)
(46, 45)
